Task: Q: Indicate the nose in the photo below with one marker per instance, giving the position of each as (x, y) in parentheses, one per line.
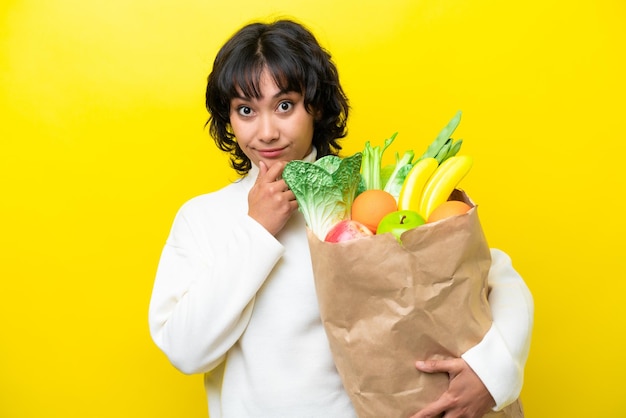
(268, 129)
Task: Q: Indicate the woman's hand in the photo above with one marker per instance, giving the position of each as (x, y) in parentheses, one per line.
(466, 397)
(270, 202)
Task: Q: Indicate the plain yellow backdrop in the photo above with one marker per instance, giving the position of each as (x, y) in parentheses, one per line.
(102, 139)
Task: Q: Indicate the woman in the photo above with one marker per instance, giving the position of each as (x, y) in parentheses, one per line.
(234, 296)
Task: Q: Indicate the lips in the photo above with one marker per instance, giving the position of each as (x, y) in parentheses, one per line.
(271, 153)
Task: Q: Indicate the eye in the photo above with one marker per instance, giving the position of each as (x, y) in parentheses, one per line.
(244, 111)
(285, 106)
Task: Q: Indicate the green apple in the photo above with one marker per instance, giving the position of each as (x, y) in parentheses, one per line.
(399, 221)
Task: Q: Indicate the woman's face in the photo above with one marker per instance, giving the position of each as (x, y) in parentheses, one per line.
(274, 127)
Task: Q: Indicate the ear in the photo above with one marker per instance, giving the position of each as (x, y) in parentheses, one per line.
(317, 114)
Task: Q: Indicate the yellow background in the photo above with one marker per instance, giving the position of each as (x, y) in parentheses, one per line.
(102, 139)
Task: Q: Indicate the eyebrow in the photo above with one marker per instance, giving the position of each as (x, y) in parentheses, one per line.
(277, 95)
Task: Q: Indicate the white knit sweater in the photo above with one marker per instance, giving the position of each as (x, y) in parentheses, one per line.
(238, 304)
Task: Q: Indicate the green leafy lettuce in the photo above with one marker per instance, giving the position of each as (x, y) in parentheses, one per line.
(324, 189)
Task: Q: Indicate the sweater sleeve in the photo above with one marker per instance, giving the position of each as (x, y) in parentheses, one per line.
(205, 285)
(500, 357)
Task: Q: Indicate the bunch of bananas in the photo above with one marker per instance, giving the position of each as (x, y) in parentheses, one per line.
(436, 174)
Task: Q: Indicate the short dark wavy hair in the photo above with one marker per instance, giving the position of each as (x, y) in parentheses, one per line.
(297, 62)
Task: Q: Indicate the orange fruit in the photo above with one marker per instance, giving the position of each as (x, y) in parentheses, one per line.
(371, 206)
(447, 209)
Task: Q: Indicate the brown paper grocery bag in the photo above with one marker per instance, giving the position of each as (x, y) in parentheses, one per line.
(385, 305)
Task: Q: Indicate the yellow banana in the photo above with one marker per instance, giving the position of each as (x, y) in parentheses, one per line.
(411, 191)
(443, 182)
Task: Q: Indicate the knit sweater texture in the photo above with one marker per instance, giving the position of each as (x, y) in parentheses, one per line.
(238, 304)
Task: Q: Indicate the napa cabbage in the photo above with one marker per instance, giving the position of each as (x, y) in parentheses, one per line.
(324, 189)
